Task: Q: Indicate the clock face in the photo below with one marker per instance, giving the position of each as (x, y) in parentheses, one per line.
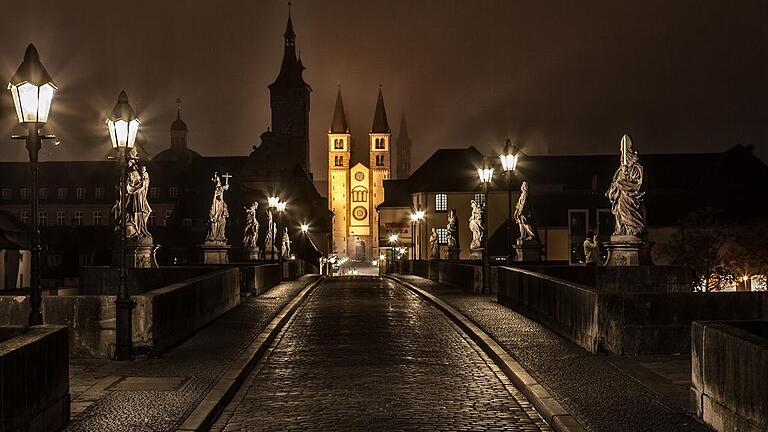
(359, 176)
(359, 212)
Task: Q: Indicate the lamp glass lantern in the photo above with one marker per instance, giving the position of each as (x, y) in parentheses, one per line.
(273, 201)
(32, 89)
(305, 228)
(485, 172)
(123, 124)
(281, 206)
(509, 157)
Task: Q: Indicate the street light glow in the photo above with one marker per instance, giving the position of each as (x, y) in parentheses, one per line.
(304, 228)
(272, 201)
(32, 89)
(123, 124)
(393, 238)
(509, 157)
(485, 172)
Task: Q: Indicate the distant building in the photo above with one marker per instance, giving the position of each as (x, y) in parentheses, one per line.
(15, 254)
(355, 185)
(403, 147)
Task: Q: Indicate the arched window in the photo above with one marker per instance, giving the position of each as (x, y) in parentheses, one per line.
(338, 144)
(379, 143)
(359, 194)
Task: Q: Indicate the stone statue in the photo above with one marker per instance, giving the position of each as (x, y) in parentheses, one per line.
(453, 231)
(251, 234)
(434, 247)
(286, 249)
(218, 214)
(137, 208)
(524, 215)
(476, 226)
(269, 238)
(627, 193)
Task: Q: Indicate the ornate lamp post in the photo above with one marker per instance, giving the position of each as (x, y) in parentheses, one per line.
(32, 90)
(123, 126)
(272, 202)
(508, 159)
(280, 207)
(393, 245)
(485, 173)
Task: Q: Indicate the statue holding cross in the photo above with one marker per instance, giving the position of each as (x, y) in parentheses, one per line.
(218, 214)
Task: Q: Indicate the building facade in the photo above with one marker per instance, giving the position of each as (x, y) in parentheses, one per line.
(355, 185)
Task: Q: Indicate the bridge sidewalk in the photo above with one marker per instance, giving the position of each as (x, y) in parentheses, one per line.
(157, 394)
(606, 393)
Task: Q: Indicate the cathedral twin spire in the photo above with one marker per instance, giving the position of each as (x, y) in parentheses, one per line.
(340, 124)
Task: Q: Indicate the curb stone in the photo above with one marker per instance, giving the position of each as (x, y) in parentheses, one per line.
(548, 407)
(222, 392)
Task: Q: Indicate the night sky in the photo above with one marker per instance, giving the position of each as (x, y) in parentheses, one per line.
(560, 77)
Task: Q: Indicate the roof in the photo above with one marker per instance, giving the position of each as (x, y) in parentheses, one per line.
(291, 69)
(396, 194)
(380, 123)
(339, 123)
(178, 124)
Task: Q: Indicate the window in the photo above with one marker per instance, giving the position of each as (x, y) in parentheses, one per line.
(441, 202)
(480, 199)
(60, 221)
(152, 219)
(99, 193)
(338, 161)
(154, 192)
(187, 222)
(173, 192)
(86, 260)
(24, 216)
(78, 218)
(43, 193)
(359, 194)
(62, 193)
(380, 160)
(379, 143)
(442, 235)
(80, 192)
(53, 260)
(338, 144)
(6, 193)
(167, 216)
(42, 218)
(25, 193)
(97, 217)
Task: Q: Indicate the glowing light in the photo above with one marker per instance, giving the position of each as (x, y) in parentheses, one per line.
(304, 228)
(509, 157)
(32, 89)
(393, 238)
(485, 172)
(123, 124)
(273, 201)
(281, 206)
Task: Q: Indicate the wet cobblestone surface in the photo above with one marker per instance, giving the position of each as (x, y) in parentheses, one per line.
(366, 354)
(99, 403)
(603, 398)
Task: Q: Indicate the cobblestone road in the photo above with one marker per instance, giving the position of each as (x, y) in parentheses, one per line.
(366, 354)
(590, 387)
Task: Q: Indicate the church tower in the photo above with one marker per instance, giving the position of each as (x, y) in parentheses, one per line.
(339, 152)
(289, 100)
(379, 163)
(403, 150)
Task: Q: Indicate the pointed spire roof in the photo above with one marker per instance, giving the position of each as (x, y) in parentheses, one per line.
(403, 134)
(291, 69)
(380, 123)
(339, 123)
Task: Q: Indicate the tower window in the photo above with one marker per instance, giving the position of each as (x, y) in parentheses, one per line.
(441, 202)
(338, 161)
(338, 144)
(380, 160)
(379, 143)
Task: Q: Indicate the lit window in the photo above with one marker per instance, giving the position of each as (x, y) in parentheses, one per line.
(43, 193)
(173, 192)
(6, 193)
(60, 221)
(441, 202)
(24, 217)
(338, 144)
(379, 143)
(379, 160)
(25, 193)
(86, 260)
(97, 217)
(154, 192)
(99, 193)
(480, 199)
(338, 161)
(42, 218)
(78, 218)
(80, 193)
(62, 193)
(442, 235)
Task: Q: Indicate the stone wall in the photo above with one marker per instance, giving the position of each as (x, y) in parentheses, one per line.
(465, 275)
(631, 323)
(104, 280)
(34, 378)
(621, 279)
(729, 366)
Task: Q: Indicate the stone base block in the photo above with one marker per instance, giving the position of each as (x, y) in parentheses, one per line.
(628, 251)
(214, 253)
(453, 254)
(528, 250)
(139, 254)
(476, 254)
(253, 254)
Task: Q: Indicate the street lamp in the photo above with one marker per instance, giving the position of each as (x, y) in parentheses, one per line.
(32, 90)
(393, 244)
(280, 207)
(508, 159)
(304, 228)
(416, 218)
(485, 172)
(272, 202)
(123, 125)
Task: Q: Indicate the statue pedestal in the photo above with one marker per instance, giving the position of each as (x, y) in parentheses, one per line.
(139, 253)
(625, 250)
(476, 254)
(253, 254)
(453, 254)
(270, 255)
(528, 250)
(214, 252)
